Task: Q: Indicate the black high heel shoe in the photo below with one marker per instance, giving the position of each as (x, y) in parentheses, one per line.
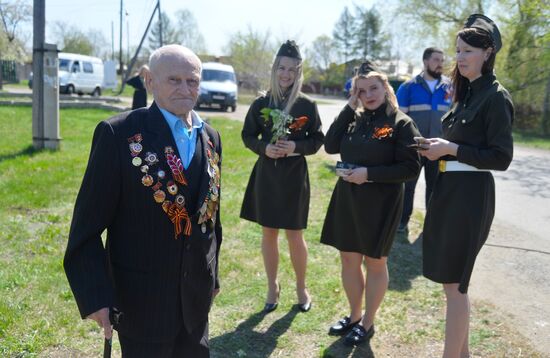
(270, 307)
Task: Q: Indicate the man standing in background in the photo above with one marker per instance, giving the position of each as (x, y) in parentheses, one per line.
(425, 99)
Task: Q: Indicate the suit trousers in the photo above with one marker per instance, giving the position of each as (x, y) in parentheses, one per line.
(194, 344)
(431, 168)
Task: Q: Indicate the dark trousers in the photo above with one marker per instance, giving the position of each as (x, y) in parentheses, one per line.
(430, 174)
(194, 344)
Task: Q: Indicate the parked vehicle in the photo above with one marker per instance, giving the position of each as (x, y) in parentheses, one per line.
(80, 74)
(218, 86)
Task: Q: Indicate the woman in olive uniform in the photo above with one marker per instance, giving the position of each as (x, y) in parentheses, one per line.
(477, 137)
(140, 93)
(367, 201)
(277, 195)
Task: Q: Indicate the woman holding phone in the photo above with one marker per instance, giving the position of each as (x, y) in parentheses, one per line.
(373, 138)
(477, 137)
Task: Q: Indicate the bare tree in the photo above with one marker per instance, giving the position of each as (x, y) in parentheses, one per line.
(251, 55)
(12, 14)
(321, 53)
(188, 28)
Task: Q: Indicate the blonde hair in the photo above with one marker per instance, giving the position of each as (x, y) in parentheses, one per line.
(276, 90)
(390, 98)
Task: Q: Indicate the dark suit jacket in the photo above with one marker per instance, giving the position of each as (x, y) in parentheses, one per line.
(159, 282)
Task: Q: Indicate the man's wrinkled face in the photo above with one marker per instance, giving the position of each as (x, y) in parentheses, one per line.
(174, 82)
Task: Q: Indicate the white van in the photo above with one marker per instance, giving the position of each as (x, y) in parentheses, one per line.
(80, 74)
(218, 86)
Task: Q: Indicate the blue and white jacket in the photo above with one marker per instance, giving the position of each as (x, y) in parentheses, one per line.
(424, 107)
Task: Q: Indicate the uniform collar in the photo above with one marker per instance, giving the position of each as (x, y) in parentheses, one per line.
(482, 82)
(375, 114)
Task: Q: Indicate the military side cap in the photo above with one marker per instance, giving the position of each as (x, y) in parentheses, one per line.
(367, 67)
(483, 23)
(290, 49)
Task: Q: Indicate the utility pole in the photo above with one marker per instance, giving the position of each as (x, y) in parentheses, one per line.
(45, 93)
(112, 40)
(160, 23)
(121, 64)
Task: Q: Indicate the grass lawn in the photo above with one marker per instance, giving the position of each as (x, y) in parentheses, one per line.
(38, 315)
(528, 139)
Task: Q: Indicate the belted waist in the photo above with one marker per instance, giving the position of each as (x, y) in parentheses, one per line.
(455, 166)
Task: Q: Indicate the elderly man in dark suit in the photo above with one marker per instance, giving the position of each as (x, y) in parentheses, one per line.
(153, 183)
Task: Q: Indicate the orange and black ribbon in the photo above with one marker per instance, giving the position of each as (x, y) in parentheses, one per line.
(177, 214)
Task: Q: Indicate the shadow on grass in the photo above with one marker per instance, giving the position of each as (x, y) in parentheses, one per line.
(29, 150)
(338, 349)
(404, 262)
(245, 341)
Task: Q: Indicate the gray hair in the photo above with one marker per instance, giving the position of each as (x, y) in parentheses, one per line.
(276, 90)
(172, 51)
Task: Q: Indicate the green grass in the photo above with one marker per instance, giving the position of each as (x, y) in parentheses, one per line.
(38, 315)
(532, 140)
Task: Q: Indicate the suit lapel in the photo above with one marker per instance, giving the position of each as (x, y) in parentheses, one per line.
(206, 176)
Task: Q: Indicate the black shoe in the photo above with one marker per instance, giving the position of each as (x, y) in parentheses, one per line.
(270, 307)
(342, 326)
(304, 307)
(358, 335)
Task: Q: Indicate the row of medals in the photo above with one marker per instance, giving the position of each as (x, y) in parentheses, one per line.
(147, 180)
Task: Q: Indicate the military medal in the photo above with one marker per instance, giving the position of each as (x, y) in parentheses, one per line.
(161, 174)
(159, 196)
(172, 187)
(144, 168)
(180, 200)
(147, 180)
(175, 165)
(136, 161)
(151, 158)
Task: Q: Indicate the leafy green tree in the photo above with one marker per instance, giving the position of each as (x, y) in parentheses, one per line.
(527, 64)
(72, 39)
(369, 42)
(344, 34)
(12, 39)
(170, 35)
(321, 52)
(251, 54)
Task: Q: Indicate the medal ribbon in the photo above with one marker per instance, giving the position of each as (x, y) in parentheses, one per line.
(176, 215)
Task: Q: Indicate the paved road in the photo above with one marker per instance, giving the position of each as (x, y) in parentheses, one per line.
(513, 269)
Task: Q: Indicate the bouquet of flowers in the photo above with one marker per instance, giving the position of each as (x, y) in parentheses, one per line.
(283, 123)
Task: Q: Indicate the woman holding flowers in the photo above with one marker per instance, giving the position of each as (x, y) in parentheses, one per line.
(374, 140)
(282, 126)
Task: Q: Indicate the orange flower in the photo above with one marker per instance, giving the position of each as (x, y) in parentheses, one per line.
(383, 132)
(298, 123)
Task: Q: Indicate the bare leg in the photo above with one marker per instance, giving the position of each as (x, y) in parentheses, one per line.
(457, 322)
(298, 255)
(376, 286)
(270, 252)
(353, 280)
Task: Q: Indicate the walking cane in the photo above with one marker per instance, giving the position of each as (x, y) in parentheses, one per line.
(115, 316)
